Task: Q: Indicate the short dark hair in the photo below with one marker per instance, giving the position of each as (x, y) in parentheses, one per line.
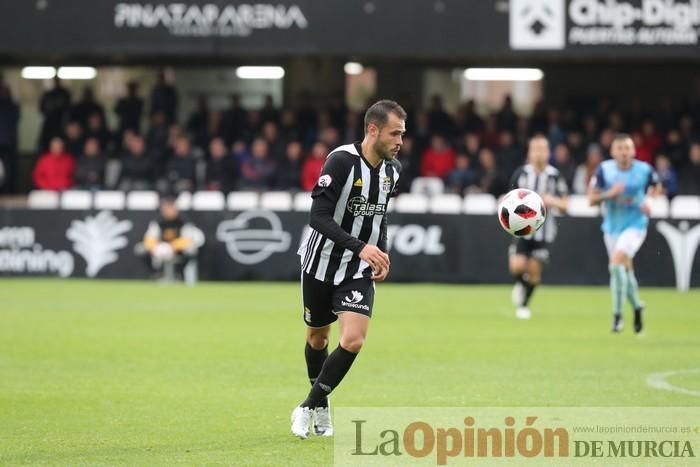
(621, 137)
(379, 112)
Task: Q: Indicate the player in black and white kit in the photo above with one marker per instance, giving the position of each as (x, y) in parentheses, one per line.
(344, 254)
(528, 254)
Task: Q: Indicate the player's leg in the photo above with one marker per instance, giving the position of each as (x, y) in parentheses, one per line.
(618, 279)
(534, 272)
(315, 354)
(517, 266)
(618, 285)
(318, 315)
(353, 330)
(630, 241)
(354, 299)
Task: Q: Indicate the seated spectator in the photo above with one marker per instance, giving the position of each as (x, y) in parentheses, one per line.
(409, 157)
(461, 177)
(180, 170)
(563, 162)
(667, 175)
(508, 155)
(313, 165)
(289, 170)
(74, 140)
(491, 179)
(221, 170)
(96, 129)
(584, 172)
(438, 160)
(650, 139)
(471, 144)
(137, 171)
(642, 152)
(171, 244)
(270, 134)
(574, 140)
(157, 136)
(690, 175)
(676, 151)
(54, 170)
(257, 171)
(90, 167)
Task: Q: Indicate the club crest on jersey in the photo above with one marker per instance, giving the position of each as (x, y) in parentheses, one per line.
(358, 206)
(386, 184)
(324, 180)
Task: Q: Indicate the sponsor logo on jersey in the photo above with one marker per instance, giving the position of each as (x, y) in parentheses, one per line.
(359, 206)
(358, 182)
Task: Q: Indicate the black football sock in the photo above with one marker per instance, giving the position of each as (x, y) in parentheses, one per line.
(334, 370)
(521, 279)
(529, 289)
(314, 363)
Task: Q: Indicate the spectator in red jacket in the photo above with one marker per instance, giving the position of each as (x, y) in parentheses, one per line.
(54, 169)
(313, 165)
(438, 160)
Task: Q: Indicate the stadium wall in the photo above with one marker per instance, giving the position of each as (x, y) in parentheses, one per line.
(262, 245)
(557, 29)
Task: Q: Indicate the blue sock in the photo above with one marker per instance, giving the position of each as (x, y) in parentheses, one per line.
(618, 286)
(633, 290)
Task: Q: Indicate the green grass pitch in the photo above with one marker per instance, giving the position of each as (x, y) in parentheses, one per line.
(133, 373)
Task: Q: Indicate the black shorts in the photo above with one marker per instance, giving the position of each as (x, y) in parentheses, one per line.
(323, 301)
(530, 248)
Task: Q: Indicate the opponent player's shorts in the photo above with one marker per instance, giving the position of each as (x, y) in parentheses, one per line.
(530, 248)
(628, 241)
(323, 301)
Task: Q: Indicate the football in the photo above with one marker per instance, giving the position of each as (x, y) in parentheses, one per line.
(521, 212)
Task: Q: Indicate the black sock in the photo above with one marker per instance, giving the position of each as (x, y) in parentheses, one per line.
(314, 363)
(334, 370)
(529, 289)
(521, 278)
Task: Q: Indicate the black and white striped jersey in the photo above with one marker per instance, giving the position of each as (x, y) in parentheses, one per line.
(349, 210)
(548, 181)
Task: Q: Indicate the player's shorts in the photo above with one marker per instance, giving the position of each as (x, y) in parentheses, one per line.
(530, 248)
(628, 241)
(323, 301)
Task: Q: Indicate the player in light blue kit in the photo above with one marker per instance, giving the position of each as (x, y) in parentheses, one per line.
(621, 185)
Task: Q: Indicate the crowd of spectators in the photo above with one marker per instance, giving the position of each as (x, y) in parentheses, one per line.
(284, 149)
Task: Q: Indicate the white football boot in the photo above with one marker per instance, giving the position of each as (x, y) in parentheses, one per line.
(523, 312)
(323, 425)
(301, 421)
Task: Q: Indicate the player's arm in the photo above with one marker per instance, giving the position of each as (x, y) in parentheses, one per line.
(151, 237)
(325, 197)
(560, 198)
(185, 241)
(654, 188)
(597, 192)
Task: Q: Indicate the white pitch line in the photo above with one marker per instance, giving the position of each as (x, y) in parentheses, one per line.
(658, 381)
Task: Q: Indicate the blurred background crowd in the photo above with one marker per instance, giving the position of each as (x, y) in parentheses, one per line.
(271, 148)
